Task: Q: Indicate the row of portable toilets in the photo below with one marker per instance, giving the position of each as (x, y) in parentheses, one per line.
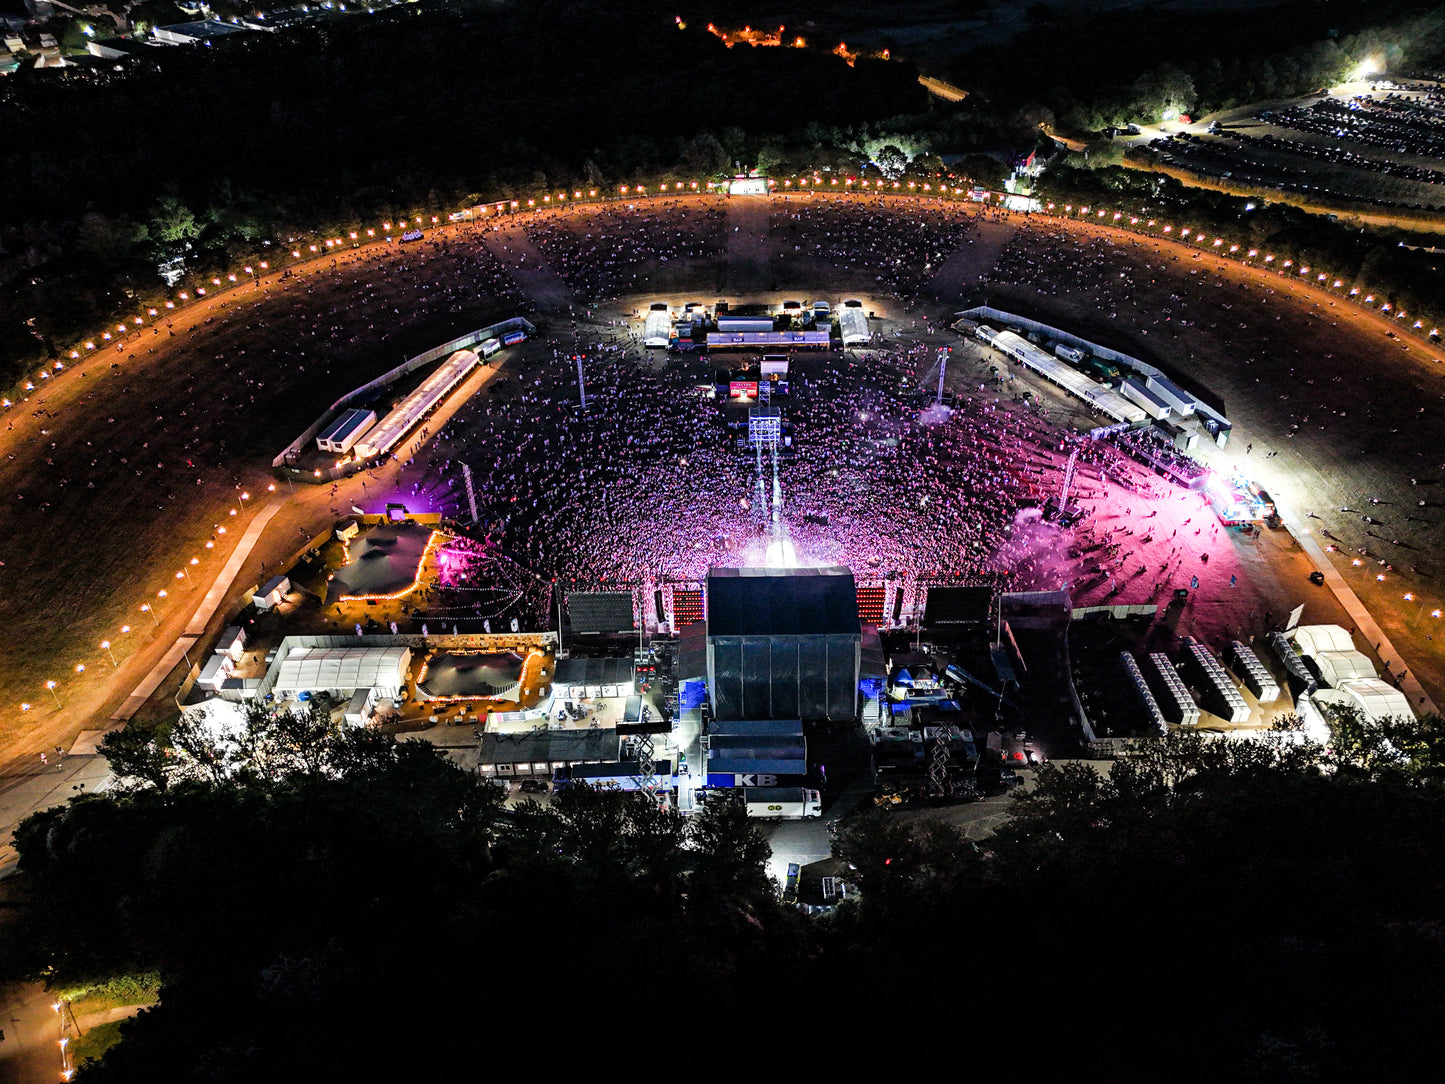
(1165, 696)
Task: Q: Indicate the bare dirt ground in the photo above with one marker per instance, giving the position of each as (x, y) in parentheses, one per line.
(114, 478)
(749, 250)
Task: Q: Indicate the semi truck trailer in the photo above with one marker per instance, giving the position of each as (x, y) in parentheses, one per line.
(782, 803)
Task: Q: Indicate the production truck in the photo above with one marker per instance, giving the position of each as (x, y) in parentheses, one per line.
(782, 803)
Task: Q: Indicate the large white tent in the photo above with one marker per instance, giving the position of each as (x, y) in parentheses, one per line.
(1313, 639)
(1375, 699)
(1372, 698)
(1056, 372)
(1338, 667)
(854, 325)
(1333, 650)
(657, 328)
(405, 415)
(342, 670)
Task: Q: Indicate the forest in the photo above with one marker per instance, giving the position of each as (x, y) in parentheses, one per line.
(343, 903)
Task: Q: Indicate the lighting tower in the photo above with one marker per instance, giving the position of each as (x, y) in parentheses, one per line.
(1068, 479)
(471, 490)
(938, 782)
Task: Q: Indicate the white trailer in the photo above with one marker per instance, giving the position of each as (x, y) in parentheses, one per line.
(782, 803)
(359, 707)
(487, 347)
(1071, 354)
(349, 427)
(1152, 404)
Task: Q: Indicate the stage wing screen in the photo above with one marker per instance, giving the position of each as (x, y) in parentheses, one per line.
(956, 606)
(600, 611)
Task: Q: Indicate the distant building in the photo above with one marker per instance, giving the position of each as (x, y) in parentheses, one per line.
(195, 33)
(115, 48)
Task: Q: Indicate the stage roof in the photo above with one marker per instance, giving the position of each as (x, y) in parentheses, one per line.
(606, 671)
(597, 746)
(457, 674)
(383, 561)
(781, 602)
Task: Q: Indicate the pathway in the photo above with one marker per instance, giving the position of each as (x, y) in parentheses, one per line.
(28, 1053)
(959, 274)
(214, 597)
(1359, 615)
(534, 275)
(747, 222)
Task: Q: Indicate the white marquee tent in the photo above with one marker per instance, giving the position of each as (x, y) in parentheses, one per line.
(343, 670)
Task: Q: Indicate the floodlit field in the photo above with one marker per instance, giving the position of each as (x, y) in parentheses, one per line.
(114, 478)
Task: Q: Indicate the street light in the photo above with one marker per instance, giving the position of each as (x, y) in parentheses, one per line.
(51, 686)
(105, 646)
(146, 606)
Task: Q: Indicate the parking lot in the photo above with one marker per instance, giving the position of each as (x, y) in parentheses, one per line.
(1381, 145)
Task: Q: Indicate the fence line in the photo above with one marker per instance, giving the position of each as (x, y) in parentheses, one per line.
(462, 342)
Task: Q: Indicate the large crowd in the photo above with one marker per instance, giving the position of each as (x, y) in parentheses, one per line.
(655, 482)
(608, 252)
(902, 244)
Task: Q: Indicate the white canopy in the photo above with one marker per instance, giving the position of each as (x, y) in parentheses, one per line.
(1374, 698)
(854, 325)
(1341, 666)
(1314, 639)
(343, 669)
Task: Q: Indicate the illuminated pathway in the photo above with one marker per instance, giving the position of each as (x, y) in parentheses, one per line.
(204, 612)
(781, 553)
(1359, 615)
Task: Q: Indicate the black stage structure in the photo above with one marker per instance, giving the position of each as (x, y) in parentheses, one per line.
(783, 643)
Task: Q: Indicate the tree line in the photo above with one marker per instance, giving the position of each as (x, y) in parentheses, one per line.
(344, 903)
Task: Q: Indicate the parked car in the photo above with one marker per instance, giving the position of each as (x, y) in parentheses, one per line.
(534, 786)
